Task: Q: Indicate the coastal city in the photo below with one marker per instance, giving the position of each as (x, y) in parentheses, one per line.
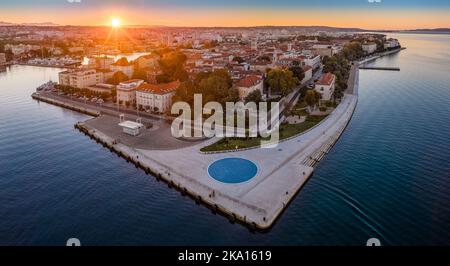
(312, 74)
(214, 131)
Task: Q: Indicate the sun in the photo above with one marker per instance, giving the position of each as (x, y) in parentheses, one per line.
(115, 22)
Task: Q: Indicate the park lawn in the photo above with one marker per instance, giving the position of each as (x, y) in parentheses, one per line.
(286, 131)
(300, 109)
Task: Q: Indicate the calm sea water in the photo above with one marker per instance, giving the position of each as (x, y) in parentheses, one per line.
(387, 177)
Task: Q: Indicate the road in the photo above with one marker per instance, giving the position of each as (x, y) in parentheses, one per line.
(107, 108)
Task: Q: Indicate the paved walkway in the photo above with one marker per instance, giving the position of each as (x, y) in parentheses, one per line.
(282, 170)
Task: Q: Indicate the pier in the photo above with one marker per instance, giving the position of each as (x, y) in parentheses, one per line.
(73, 107)
(380, 68)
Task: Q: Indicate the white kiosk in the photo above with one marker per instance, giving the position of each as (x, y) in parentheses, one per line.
(131, 128)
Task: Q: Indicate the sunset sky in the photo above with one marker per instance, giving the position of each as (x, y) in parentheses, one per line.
(367, 14)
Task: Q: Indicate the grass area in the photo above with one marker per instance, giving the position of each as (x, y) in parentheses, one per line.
(300, 109)
(286, 131)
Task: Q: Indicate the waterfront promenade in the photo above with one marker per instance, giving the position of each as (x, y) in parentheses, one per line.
(282, 170)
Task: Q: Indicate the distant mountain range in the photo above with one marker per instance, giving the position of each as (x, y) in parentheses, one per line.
(306, 28)
(433, 30)
(42, 24)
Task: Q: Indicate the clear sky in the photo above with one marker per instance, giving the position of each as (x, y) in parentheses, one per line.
(368, 14)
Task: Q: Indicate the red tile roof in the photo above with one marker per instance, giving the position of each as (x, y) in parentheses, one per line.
(326, 79)
(248, 81)
(159, 88)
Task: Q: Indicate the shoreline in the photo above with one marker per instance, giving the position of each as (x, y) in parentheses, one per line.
(257, 203)
(383, 54)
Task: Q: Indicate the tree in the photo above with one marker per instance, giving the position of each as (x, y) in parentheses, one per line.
(214, 86)
(172, 66)
(298, 72)
(233, 95)
(254, 96)
(312, 98)
(118, 77)
(139, 74)
(122, 62)
(238, 59)
(353, 51)
(281, 80)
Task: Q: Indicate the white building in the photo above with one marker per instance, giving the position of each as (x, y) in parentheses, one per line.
(325, 86)
(335, 49)
(249, 84)
(80, 78)
(323, 49)
(102, 62)
(312, 61)
(126, 91)
(127, 68)
(131, 128)
(156, 97)
(148, 61)
(308, 74)
(369, 47)
(391, 43)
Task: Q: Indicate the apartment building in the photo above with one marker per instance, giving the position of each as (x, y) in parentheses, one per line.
(80, 78)
(325, 86)
(156, 97)
(126, 91)
(126, 67)
(369, 47)
(248, 84)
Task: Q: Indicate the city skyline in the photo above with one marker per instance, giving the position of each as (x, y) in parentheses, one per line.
(365, 14)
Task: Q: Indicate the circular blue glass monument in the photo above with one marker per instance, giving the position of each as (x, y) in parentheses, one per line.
(232, 170)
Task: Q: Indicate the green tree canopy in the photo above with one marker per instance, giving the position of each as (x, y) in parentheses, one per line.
(312, 98)
(214, 86)
(118, 77)
(353, 51)
(122, 62)
(281, 80)
(254, 96)
(172, 66)
(139, 74)
(298, 72)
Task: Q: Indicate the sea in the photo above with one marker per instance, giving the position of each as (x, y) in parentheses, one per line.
(387, 177)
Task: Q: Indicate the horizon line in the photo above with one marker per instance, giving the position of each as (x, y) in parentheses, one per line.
(174, 26)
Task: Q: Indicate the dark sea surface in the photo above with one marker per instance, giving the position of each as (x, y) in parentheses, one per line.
(388, 175)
